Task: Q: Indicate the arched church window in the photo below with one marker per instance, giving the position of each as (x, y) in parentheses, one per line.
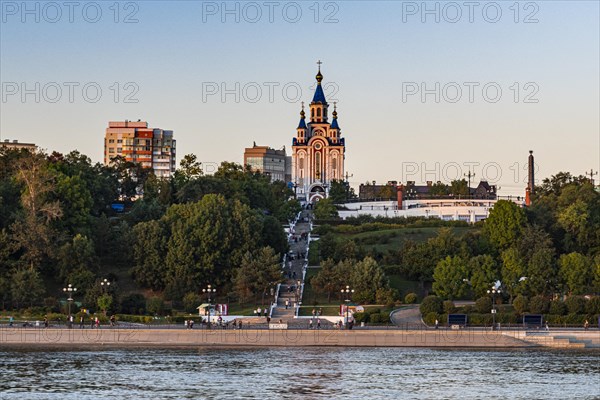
(318, 165)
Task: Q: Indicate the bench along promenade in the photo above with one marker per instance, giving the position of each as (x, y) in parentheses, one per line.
(463, 338)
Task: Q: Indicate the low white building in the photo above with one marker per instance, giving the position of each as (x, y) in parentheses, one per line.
(469, 210)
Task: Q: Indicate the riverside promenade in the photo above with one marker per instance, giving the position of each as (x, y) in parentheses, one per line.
(27, 337)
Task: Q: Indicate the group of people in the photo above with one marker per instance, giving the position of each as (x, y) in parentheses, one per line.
(258, 311)
(311, 323)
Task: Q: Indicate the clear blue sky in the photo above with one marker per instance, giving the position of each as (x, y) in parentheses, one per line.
(374, 55)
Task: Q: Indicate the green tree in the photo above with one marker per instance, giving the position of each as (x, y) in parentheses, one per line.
(450, 278)
(104, 302)
(513, 272)
(327, 280)
(439, 189)
(149, 249)
(459, 188)
(431, 304)
(325, 210)
(191, 301)
(32, 233)
(269, 273)
(78, 254)
(577, 272)
(539, 304)
(76, 203)
(483, 305)
(155, 305)
(327, 246)
(484, 272)
(367, 277)
(541, 272)
(340, 192)
(521, 304)
(258, 273)
(27, 286)
(504, 224)
(387, 192)
(207, 239)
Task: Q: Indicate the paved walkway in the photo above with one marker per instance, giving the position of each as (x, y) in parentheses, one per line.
(290, 290)
(407, 316)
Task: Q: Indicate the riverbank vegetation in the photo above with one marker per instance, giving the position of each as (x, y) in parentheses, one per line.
(158, 242)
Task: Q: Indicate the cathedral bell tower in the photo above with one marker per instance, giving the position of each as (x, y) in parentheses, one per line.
(318, 149)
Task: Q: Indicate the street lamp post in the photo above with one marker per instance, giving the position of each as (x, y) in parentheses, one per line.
(104, 284)
(494, 291)
(348, 294)
(69, 290)
(209, 290)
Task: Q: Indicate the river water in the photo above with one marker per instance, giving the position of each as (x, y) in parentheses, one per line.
(297, 373)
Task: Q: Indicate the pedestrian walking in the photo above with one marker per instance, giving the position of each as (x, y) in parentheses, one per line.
(112, 320)
(46, 321)
(314, 312)
(11, 320)
(310, 324)
(92, 322)
(437, 324)
(287, 303)
(318, 323)
(547, 327)
(97, 323)
(240, 324)
(265, 312)
(586, 325)
(81, 322)
(191, 324)
(258, 311)
(70, 321)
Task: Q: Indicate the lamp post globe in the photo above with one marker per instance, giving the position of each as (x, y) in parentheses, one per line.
(105, 284)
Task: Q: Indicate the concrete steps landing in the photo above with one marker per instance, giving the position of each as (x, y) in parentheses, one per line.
(560, 342)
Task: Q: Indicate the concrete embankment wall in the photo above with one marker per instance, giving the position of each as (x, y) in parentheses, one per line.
(175, 337)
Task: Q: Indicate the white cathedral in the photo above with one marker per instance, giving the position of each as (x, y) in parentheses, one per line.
(318, 149)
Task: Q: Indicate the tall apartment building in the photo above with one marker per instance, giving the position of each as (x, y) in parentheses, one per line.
(151, 147)
(269, 161)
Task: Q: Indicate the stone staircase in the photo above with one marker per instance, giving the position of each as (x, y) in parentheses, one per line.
(294, 274)
(280, 312)
(557, 341)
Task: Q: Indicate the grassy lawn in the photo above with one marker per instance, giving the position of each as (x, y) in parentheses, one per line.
(392, 239)
(313, 253)
(327, 310)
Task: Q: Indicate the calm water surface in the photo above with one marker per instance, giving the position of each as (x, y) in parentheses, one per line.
(296, 373)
